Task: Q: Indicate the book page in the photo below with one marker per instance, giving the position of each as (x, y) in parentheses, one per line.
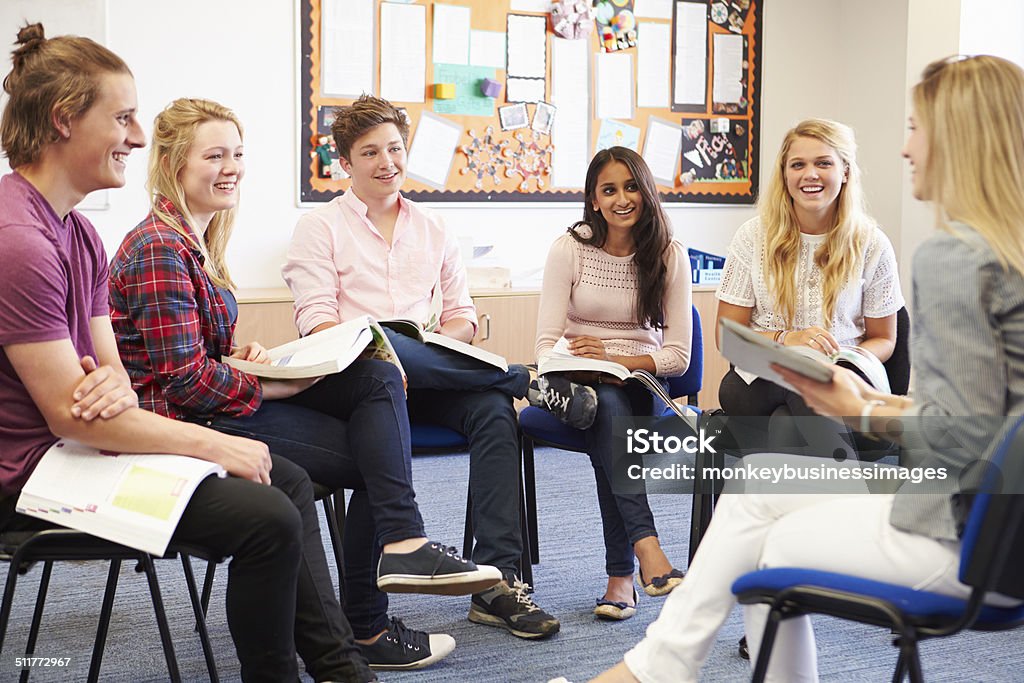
(751, 352)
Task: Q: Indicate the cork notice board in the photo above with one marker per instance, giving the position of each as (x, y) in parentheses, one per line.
(709, 109)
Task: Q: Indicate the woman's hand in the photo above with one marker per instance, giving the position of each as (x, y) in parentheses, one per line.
(818, 338)
(252, 352)
(588, 347)
(845, 395)
(103, 392)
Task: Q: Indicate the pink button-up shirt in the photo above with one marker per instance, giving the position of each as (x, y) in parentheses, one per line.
(340, 267)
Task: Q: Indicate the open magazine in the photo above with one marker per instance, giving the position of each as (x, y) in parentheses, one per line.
(560, 360)
(411, 329)
(755, 353)
(323, 353)
(134, 500)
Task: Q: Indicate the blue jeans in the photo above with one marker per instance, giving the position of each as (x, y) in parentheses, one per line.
(475, 399)
(350, 430)
(625, 519)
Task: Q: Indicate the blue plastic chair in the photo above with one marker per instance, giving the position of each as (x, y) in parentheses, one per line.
(991, 559)
(538, 426)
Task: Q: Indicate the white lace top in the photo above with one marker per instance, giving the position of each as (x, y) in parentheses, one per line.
(874, 294)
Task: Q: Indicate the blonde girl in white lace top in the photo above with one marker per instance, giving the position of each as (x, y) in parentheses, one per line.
(812, 268)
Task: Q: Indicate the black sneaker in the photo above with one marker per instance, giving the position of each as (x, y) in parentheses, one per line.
(433, 568)
(401, 647)
(574, 404)
(512, 609)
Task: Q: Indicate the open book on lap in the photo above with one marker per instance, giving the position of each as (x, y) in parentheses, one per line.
(560, 361)
(323, 353)
(410, 329)
(134, 500)
(755, 354)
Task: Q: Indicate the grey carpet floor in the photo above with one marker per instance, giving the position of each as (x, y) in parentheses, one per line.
(568, 580)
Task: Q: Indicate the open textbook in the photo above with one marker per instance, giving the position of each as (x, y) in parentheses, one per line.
(560, 360)
(410, 329)
(323, 353)
(134, 500)
(755, 353)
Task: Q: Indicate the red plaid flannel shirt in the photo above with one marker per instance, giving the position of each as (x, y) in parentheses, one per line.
(172, 327)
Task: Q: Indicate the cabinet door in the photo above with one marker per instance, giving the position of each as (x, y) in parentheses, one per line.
(269, 323)
(715, 365)
(507, 325)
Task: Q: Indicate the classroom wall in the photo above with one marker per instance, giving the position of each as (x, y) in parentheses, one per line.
(245, 59)
(845, 60)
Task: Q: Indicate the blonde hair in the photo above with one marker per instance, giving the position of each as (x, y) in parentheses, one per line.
(56, 77)
(174, 132)
(972, 113)
(842, 253)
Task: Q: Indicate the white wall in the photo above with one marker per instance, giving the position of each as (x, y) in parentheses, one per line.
(933, 32)
(993, 27)
(847, 60)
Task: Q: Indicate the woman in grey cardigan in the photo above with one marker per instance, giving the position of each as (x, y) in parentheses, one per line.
(965, 149)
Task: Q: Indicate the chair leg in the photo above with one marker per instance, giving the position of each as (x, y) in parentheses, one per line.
(37, 617)
(161, 619)
(767, 643)
(467, 537)
(914, 663)
(204, 600)
(530, 482)
(901, 667)
(197, 609)
(334, 530)
(104, 624)
(8, 600)
(700, 515)
(525, 566)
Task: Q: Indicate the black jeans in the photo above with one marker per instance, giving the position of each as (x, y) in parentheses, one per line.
(760, 419)
(279, 595)
(350, 430)
(461, 393)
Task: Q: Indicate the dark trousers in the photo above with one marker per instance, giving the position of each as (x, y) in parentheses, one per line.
(472, 398)
(279, 594)
(625, 518)
(772, 427)
(350, 430)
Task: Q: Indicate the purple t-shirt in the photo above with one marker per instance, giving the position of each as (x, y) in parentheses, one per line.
(53, 279)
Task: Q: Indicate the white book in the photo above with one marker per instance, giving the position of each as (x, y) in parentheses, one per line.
(410, 329)
(323, 353)
(755, 353)
(134, 500)
(560, 360)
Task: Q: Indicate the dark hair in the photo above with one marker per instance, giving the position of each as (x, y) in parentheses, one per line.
(50, 77)
(352, 121)
(651, 234)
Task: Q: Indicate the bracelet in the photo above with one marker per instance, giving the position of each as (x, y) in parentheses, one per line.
(865, 415)
(780, 336)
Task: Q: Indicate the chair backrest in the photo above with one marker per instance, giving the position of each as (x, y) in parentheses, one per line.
(689, 383)
(992, 546)
(898, 365)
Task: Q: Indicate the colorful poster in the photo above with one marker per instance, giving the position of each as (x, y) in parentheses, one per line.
(616, 134)
(468, 101)
(714, 151)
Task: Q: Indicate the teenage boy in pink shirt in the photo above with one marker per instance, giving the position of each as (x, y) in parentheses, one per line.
(371, 251)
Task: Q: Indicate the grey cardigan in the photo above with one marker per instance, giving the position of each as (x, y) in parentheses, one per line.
(967, 349)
